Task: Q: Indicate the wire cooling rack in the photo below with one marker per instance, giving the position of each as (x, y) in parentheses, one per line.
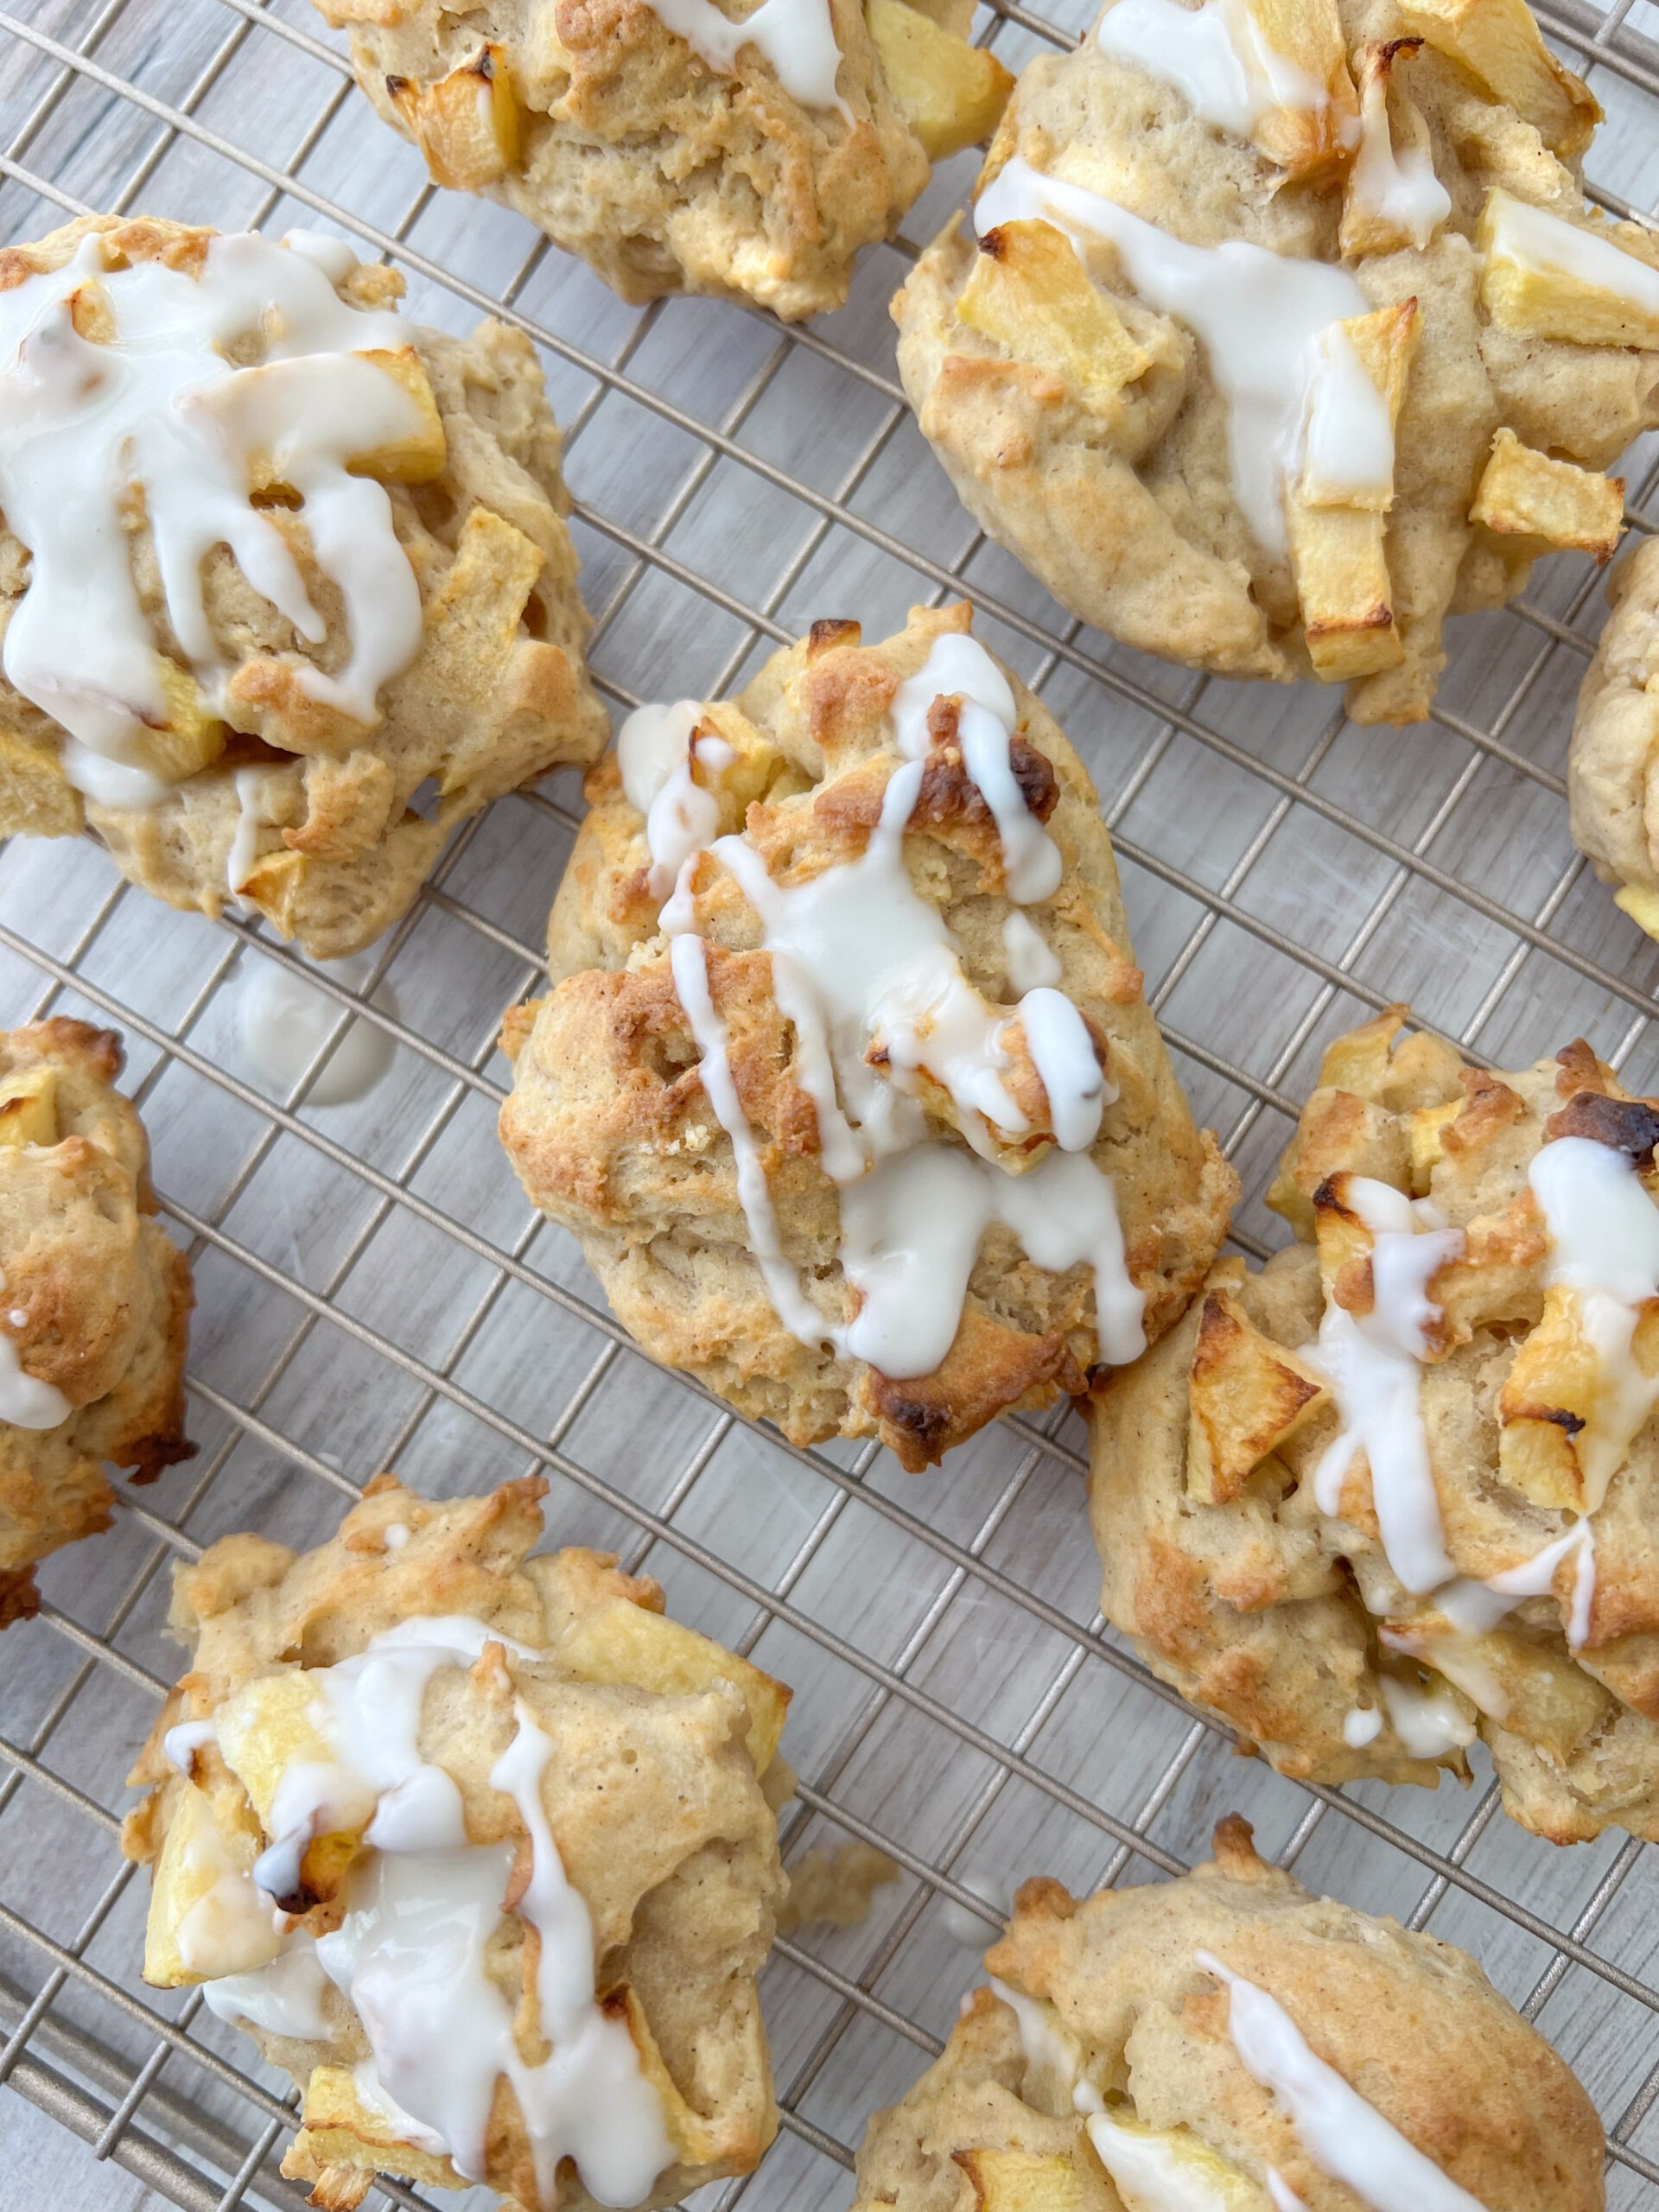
(372, 1293)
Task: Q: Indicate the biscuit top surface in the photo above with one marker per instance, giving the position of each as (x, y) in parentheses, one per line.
(202, 384)
(1229, 2042)
(429, 1840)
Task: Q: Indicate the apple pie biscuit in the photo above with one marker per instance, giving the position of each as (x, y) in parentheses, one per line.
(95, 1300)
(286, 589)
(480, 1848)
(1283, 330)
(1612, 771)
(846, 1082)
(1398, 1489)
(679, 146)
(1230, 2042)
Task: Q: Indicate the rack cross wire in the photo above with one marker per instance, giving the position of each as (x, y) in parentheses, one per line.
(372, 1292)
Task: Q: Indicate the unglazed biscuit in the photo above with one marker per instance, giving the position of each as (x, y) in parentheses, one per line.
(479, 1847)
(1229, 2041)
(286, 587)
(673, 152)
(94, 1299)
(1612, 771)
(1269, 362)
(846, 1082)
(1399, 1488)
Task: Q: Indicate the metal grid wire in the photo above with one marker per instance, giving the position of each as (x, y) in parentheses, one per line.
(372, 1292)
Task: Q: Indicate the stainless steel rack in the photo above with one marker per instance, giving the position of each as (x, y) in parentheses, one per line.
(373, 1292)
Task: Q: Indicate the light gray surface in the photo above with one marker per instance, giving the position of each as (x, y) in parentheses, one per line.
(371, 1289)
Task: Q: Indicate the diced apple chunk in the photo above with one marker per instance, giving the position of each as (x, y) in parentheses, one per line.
(28, 1107)
(618, 1642)
(465, 123)
(1246, 1394)
(1526, 494)
(1030, 293)
(952, 93)
(1499, 43)
(1023, 2181)
(1543, 277)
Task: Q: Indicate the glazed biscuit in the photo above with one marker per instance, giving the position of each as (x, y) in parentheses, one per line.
(94, 1299)
(1396, 1490)
(1280, 334)
(673, 151)
(846, 1082)
(339, 614)
(479, 1847)
(1230, 2042)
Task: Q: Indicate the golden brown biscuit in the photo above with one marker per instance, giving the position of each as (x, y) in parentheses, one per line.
(339, 614)
(477, 1846)
(868, 1126)
(1112, 2068)
(1612, 771)
(94, 1299)
(1270, 376)
(1472, 1310)
(671, 153)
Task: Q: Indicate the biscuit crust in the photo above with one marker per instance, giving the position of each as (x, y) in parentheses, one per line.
(663, 173)
(1121, 501)
(653, 1794)
(353, 815)
(1119, 2001)
(1287, 1621)
(97, 1299)
(611, 1131)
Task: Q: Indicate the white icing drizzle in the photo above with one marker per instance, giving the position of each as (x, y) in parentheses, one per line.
(959, 668)
(1346, 2138)
(1603, 1246)
(1428, 1722)
(1362, 1726)
(1459, 1659)
(285, 1997)
(1535, 1577)
(1373, 1364)
(230, 1919)
(282, 1022)
(1214, 55)
(1256, 313)
(871, 980)
(253, 796)
(1032, 961)
(797, 38)
(25, 1400)
(1284, 2197)
(658, 751)
(1049, 2048)
(422, 1906)
(1154, 2172)
(161, 409)
(1348, 438)
(182, 1742)
(1532, 236)
(1396, 188)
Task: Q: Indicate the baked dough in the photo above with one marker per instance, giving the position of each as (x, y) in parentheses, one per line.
(323, 814)
(1244, 1549)
(842, 783)
(669, 156)
(1111, 2049)
(1147, 403)
(1612, 771)
(94, 1299)
(532, 1730)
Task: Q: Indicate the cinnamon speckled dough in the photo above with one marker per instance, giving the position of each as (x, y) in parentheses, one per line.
(1126, 511)
(612, 1134)
(653, 1791)
(1612, 775)
(95, 1299)
(497, 694)
(619, 142)
(1411, 2023)
(1269, 1613)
